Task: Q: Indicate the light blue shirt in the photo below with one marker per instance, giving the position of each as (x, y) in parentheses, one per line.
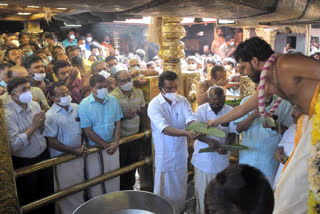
(63, 125)
(263, 142)
(101, 117)
(66, 43)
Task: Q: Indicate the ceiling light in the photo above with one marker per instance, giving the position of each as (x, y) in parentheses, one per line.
(23, 14)
(62, 8)
(33, 6)
(3, 4)
(225, 21)
(72, 25)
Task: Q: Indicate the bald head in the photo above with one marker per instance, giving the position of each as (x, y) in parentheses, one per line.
(18, 71)
(122, 75)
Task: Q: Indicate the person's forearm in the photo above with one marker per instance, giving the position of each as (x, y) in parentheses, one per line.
(232, 84)
(149, 72)
(240, 110)
(202, 98)
(117, 132)
(94, 137)
(59, 146)
(245, 124)
(29, 132)
(174, 132)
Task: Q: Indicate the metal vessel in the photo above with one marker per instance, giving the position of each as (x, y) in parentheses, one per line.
(126, 202)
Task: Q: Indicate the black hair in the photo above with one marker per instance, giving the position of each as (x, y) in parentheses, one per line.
(239, 189)
(15, 82)
(150, 63)
(55, 85)
(93, 47)
(219, 28)
(76, 61)
(166, 75)
(71, 30)
(40, 51)
(230, 61)
(109, 58)
(8, 50)
(211, 61)
(23, 45)
(59, 64)
(228, 38)
(23, 34)
(82, 38)
(31, 59)
(69, 48)
(36, 47)
(96, 78)
(216, 69)
(253, 47)
(48, 35)
(4, 66)
(73, 48)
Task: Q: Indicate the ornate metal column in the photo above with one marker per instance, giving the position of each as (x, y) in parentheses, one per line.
(268, 36)
(9, 203)
(116, 42)
(171, 48)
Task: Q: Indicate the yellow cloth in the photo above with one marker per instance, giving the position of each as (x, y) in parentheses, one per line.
(87, 67)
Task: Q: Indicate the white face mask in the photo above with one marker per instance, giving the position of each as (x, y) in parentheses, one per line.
(102, 93)
(45, 44)
(89, 39)
(16, 42)
(45, 62)
(3, 84)
(127, 87)
(169, 96)
(39, 76)
(104, 74)
(65, 101)
(72, 37)
(25, 97)
(192, 67)
(83, 46)
(114, 70)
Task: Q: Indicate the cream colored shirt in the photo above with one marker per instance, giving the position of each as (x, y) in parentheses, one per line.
(5, 98)
(135, 101)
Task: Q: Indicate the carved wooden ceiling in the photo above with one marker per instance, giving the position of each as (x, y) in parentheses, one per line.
(268, 12)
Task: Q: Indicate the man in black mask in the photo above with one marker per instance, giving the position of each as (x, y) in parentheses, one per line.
(206, 52)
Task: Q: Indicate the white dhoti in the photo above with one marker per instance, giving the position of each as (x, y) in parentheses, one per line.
(98, 164)
(172, 185)
(291, 195)
(201, 180)
(66, 175)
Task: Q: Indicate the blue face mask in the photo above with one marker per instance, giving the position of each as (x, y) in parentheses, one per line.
(114, 70)
(29, 53)
(3, 84)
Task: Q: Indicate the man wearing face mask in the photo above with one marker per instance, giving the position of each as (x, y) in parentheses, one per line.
(208, 165)
(37, 75)
(101, 67)
(135, 70)
(27, 49)
(133, 106)
(112, 61)
(82, 45)
(86, 65)
(95, 51)
(70, 40)
(100, 116)
(62, 128)
(24, 122)
(3, 83)
(69, 75)
(193, 64)
(170, 114)
(13, 56)
(89, 41)
(206, 52)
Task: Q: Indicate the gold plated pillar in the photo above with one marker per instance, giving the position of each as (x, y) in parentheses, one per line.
(171, 48)
(32, 27)
(268, 35)
(116, 42)
(9, 203)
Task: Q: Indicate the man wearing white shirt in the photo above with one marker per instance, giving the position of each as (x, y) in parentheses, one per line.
(286, 145)
(170, 114)
(208, 165)
(62, 128)
(24, 122)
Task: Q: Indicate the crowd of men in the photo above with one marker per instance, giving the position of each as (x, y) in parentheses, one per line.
(62, 98)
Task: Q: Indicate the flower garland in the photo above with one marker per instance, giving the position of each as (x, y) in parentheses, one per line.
(263, 76)
(314, 162)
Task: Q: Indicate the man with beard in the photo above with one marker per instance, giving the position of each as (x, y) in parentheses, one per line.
(106, 43)
(216, 43)
(13, 56)
(300, 88)
(68, 74)
(208, 165)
